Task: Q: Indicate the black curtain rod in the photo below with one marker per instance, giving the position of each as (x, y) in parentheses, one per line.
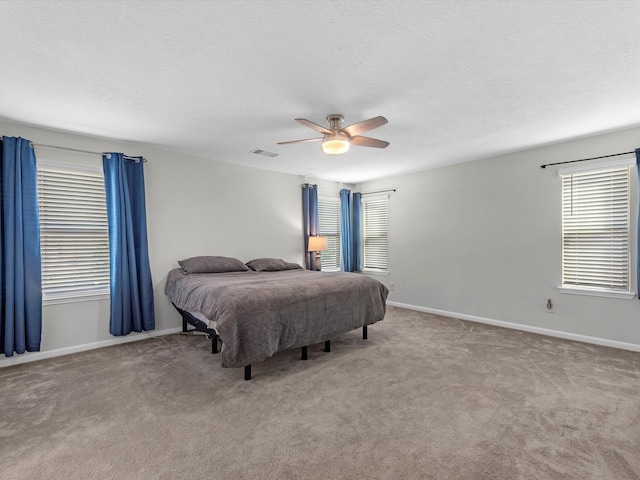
(126, 157)
(379, 191)
(585, 159)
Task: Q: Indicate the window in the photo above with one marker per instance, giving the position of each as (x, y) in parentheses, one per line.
(596, 230)
(74, 237)
(329, 226)
(374, 239)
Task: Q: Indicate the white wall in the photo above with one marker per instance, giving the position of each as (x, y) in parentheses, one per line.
(482, 241)
(195, 206)
(479, 240)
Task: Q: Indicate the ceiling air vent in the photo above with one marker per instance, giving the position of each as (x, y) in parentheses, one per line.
(257, 151)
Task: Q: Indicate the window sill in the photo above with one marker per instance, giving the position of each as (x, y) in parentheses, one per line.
(59, 298)
(597, 293)
(375, 272)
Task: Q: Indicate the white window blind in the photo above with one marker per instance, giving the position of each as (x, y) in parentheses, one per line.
(329, 226)
(596, 230)
(74, 237)
(375, 241)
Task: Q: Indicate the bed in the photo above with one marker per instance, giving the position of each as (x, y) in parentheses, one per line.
(269, 305)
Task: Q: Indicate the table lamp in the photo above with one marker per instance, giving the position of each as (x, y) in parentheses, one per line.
(317, 244)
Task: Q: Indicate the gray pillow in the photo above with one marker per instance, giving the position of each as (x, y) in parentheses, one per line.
(271, 265)
(212, 265)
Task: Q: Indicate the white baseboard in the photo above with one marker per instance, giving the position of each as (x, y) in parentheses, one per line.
(133, 337)
(525, 328)
(35, 356)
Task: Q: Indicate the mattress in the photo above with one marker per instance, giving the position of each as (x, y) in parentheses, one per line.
(257, 314)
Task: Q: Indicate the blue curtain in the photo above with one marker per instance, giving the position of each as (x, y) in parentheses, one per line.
(638, 237)
(356, 233)
(345, 230)
(131, 288)
(310, 219)
(21, 309)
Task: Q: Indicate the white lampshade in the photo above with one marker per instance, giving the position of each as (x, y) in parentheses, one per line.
(335, 143)
(317, 244)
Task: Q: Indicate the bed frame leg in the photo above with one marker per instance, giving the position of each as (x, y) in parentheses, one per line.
(327, 345)
(247, 372)
(364, 333)
(304, 353)
(184, 325)
(214, 343)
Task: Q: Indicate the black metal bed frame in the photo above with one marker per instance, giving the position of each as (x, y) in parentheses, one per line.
(200, 326)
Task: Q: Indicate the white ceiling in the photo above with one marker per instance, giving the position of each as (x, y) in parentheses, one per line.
(457, 80)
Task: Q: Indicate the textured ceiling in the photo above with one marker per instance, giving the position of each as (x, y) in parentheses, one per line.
(458, 80)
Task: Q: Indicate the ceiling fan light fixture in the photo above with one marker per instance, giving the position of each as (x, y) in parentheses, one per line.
(337, 140)
(335, 143)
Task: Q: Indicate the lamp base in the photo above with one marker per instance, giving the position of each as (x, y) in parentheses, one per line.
(318, 263)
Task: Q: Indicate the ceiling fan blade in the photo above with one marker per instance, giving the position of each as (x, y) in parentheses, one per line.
(301, 141)
(368, 142)
(313, 126)
(364, 126)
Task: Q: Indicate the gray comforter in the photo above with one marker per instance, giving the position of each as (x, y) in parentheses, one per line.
(257, 314)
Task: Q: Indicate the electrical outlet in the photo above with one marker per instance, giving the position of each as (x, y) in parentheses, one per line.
(549, 305)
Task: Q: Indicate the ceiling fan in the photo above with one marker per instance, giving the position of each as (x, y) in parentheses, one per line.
(336, 139)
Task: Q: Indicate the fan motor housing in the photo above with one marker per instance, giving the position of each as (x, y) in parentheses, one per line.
(335, 122)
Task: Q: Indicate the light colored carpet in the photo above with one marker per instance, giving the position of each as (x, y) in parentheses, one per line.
(426, 397)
